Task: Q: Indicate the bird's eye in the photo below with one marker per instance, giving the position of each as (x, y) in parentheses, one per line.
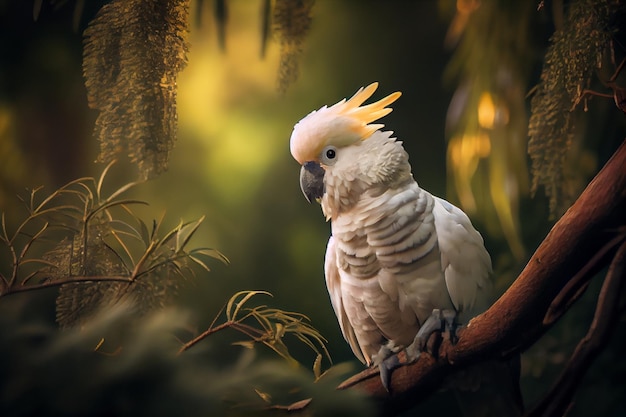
(329, 155)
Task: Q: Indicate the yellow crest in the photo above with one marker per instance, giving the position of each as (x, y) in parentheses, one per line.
(366, 114)
(341, 124)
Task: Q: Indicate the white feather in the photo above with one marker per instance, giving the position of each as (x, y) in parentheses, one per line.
(464, 259)
(397, 252)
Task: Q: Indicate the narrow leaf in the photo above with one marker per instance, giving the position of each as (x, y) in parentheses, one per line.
(212, 253)
(264, 396)
(248, 344)
(144, 233)
(101, 179)
(189, 232)
(230, 314)
(317, 366)
(200, 262)
(122, 190)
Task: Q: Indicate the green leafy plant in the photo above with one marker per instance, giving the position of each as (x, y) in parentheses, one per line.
(108, 261)
(98, 250)
(266, 325)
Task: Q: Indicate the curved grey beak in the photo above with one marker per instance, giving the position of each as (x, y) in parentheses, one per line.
(312, 181)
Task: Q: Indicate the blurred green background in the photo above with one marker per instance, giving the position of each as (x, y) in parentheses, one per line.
(231, 161)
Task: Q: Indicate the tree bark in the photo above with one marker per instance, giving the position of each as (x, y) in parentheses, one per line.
(583, 241)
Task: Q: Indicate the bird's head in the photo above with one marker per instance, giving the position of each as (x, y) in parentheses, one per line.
(319, 139)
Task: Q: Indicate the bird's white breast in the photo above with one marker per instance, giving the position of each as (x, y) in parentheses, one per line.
(389, 265)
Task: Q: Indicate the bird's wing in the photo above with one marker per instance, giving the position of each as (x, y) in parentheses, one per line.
(333, 283)
(464, 259)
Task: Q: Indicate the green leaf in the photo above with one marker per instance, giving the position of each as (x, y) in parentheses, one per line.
(264, 396)
(248, 344)
(144, 233)
(210, 252)
(101, 179)
(186, 232)
(232, 314)
(317, 367)
(123, 228)
(122, 190)
(200, 262)
(111, 204)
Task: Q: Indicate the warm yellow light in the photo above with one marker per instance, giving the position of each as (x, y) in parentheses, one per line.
(483, 145)
(464, 153)
(468, 148)
(467, 6)
(223, 102)
(486, 111)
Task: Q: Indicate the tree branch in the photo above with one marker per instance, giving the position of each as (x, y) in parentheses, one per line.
(243, 328)
(558, 400)
(14, 289)
(579, 283)
(520, 316)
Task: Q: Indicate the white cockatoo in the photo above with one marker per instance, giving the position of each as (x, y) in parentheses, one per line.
(400, 263)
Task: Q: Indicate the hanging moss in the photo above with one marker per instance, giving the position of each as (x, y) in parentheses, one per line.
(134, 49)
(574, 54)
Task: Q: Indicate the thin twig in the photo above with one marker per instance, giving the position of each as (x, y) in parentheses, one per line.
(617, 95)
(576, 286)
(618, 70)
(203, 335)
(559, 399)
(58, 282)
(248, 330)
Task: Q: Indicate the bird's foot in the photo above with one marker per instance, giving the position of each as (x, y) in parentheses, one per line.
(439, 320)
(386, 360)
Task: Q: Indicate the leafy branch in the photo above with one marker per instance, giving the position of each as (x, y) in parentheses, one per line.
(97, 249)
(75, 203)
(266, 325)
(108, 261)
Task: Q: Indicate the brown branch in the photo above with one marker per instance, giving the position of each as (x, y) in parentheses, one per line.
(204, 335)
(618, 95)
(578, 284)
(558, 400)
(14, 289)
(243, 328)
(516, 320)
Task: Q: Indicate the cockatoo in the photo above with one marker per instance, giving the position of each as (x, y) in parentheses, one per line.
(400, 263)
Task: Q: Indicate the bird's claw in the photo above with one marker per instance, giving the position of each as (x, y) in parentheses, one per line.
(450, 325)
(386, 358)
(385, 368)
(387, 361)
(439, 320)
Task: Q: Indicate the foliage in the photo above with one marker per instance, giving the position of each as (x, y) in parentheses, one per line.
(577, 49)
(46, 372)
(97, 250)
(292, 21)
(116, 275)
(269, 327)
(134, 50)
